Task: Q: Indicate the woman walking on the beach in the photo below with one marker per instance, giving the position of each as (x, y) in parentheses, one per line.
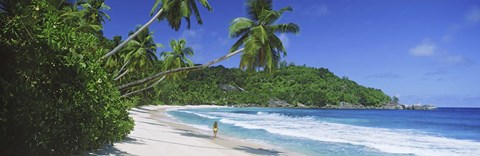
(215, 129)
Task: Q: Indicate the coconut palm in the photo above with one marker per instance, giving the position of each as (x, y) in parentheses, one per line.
(94, 11)
(175, 59)
(178, 57)
(171, 10)
(262, 48)
(117, 40)
(140, 52)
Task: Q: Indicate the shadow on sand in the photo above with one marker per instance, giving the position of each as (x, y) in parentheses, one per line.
(151, 123)
(257, 151)
(111, 150)
(183, 144)
(189, 133)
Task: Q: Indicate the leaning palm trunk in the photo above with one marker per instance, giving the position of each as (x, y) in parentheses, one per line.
(116, 49)
(145, 80)
(121, 75)
(123, 67)
(144, 89)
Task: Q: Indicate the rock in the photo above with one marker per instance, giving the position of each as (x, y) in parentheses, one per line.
(418, 107)
(278, 103)
(300, 105)
(228, 88)
(246, 105)
(345, 105)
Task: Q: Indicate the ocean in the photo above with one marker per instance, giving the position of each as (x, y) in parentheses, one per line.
(444, 131)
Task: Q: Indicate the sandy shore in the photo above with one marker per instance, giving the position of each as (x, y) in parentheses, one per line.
(156, 134)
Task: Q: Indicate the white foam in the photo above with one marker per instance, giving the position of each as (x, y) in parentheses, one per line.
(385, 140)
(201, 127)
(244, 125)
(198, 114)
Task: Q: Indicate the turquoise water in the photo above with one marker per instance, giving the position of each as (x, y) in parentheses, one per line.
(445, 131)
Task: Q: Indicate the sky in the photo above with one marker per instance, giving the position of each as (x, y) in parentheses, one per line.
(423, 51)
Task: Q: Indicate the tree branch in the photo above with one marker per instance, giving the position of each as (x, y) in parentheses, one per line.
(116, 49)
(145, 80)
(123, 67)
(144, 89)
(121, 75)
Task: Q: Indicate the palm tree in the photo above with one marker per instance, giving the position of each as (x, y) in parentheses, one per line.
(117, 40)
(141, 51)
(178, 57)
(261, 47)
(171, 10)
(94, 11)
(257, 33)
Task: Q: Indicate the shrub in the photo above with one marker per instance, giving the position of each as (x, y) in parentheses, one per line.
(56, 98)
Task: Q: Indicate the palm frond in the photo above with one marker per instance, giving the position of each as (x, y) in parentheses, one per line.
(277, 44)
(194, 8)
(175, 10)
(239, 43)
(206, 4)
(239, 25)
(286, 28)
(267, 17)
(262, 48)
(254, 8)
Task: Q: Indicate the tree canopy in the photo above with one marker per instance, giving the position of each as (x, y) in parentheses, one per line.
(315, 87)
(263, 49)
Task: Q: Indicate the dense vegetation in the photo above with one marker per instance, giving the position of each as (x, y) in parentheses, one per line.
(65, 88)
(314, 87)
(56, 97)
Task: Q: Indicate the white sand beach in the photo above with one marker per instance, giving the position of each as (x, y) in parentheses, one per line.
(156, 134)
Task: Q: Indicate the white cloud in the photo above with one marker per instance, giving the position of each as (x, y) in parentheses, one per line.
(473, 15)
(189, 33)
(285, 40)
(316, 10)
(193, 38)
(426, 48)
(454, 59)
(446, 38)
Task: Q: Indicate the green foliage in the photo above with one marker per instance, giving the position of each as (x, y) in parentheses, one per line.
(314, 87)
(262, 48)
(93, 11)
(141, 51)
(56, 97)
(178, 57)
(176, 10)
(395, 99)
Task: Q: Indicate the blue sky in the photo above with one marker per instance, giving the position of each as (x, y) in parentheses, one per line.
(424, 51)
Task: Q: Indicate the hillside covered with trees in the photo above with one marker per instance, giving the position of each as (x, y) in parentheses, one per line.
(313, 87)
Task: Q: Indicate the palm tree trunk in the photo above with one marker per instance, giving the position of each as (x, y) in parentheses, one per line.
(144, 89)
(123, 67)
(145, 80)
(121, 75)
(116, 49)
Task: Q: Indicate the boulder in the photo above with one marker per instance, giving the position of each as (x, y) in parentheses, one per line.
(278, 103)
(300, 105)
(228, 88)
